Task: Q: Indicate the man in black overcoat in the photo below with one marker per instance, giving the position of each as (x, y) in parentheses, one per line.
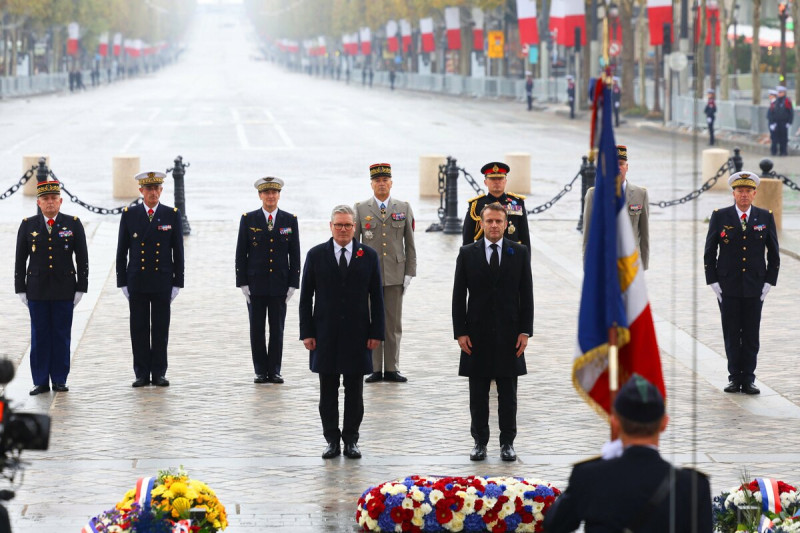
(634, 492)
(50, 284)
(268, 273)
(736, 269)
(341, 322)
(150, 274)
(492, 320)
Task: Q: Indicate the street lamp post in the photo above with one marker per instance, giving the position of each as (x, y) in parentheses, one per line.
(782, 16)
(613, 19)
(735, 55)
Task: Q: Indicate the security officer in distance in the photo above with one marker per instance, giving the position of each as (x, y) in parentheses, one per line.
(495, 179)
(268, 273)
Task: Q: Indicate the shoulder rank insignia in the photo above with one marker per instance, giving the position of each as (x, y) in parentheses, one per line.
(476, 198)
(175, 209)
(515, 195)
(34, 233)
(125, 209)
(74, 218)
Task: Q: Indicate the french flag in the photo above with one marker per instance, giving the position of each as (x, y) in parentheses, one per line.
(426, 30)
(765, 525)
(770, 497)
(73, 32)
(366, 45)
(405, 34)
(528, 28)
(659, 12)
(711, 13)
(117, 44)
(565, 16)
(102, 45)
(452, 21)
(143, 487)
(477, 30)
(391, 36)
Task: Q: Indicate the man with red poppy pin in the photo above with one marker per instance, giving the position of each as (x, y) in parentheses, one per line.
(738, 238)
(386, 225)
(341, 322)
(492, 320)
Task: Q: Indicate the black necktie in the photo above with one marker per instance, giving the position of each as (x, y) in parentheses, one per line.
(343, 263)
(494, 262)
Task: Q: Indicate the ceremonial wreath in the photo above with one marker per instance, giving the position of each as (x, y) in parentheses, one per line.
(760, 505)
(169, 503)
(472, 503)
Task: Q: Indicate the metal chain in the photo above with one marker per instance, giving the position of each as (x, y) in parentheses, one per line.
(471, 181)
(442, 181)
(92, 208)
(786, 181)
(17, 186)
(726, 167)
(547, 205)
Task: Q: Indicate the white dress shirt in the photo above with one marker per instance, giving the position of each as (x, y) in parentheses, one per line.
(488, 245)
(337, 251)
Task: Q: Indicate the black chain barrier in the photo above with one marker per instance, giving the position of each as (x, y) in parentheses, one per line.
(17, 186)
(547, 205)
(789, 183)
(726, 168)
(442, 187)
(93, 208)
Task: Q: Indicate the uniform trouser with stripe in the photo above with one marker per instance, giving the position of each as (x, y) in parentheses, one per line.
(387, 355)
(51, 331)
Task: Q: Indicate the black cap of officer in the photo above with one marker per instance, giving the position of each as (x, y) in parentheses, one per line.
(638, 400)
(495, 169)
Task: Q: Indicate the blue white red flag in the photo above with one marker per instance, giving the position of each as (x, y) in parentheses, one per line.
(765, 525)
(90, 527)
(770, 497)
(144, 486)
(614, 294)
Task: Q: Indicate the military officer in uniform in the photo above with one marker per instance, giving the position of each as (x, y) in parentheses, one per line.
(50, 284)
(495, 179)
(150, 274)
(268, 273)
(638, 206)
(386, 224)
(738, 238)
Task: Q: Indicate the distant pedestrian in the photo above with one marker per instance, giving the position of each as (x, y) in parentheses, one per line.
(616, 95)
(711, 113)
(529, 89)
(571, 96)
(371, 75)
(71, 77)
(79, 80)
(773, 147)
(784, 116)
(392, 76)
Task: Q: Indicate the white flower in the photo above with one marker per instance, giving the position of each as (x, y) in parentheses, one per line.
(488, 503)
(507, 509)
(417, 495)
(408, 503)
(456, 523)
(435, 496)
(426, 508)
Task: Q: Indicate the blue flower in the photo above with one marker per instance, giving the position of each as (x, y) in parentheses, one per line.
(493, 491)
(394, 500)
(431, 524)
(510, 251)
(474, 522)
(408, 482)
(512, 521)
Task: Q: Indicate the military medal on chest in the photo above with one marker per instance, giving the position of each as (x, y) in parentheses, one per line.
(511, 228)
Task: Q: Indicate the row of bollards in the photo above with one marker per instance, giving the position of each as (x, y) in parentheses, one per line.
(123, 169)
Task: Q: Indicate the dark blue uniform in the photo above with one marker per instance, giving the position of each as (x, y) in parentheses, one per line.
(267, 261)
(45, 271)
(150, 264)
(517, 229)
(735, 259)
(711, 114)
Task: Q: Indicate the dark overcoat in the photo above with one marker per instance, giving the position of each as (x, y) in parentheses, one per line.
(341, 312)
(493, 310)
(268, 262)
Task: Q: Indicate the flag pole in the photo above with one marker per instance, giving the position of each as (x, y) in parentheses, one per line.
(613, 370)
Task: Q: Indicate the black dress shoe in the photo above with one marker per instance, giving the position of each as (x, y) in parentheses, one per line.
(39, 389)
(749, 388)
(60, 387)
(478, 452)
(276, 378)
(261, 378)
(351, 450)
(140, 382)
(507, 453)
(374, 378)
(397, 377)
(733, 386)
(332, 450)
(160, 381)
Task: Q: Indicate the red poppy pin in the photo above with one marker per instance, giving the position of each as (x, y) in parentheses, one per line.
(367, 225)
(360, 252)
(723, 234)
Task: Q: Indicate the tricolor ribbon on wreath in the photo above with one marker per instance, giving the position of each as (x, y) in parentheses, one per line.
(770, 502)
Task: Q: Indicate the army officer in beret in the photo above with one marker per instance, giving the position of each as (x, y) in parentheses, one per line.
(268, 273)
(50, 284)
(150, 274)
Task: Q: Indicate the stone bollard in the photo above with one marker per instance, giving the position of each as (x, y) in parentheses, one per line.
(519, 175)
(124, 168)
(429, 174)
(770, 192)
(29, 161)
(713, 158)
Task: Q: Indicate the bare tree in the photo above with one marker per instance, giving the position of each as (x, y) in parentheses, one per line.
(755, 62)
(726, 19)
(699, 56)
(796, 17)
(628, 53)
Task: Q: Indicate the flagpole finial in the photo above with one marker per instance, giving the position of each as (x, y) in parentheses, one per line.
(592, 155)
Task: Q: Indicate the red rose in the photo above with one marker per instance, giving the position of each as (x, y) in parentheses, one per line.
(408, 514)
(374, 508)
(444, 515)
(478, 505)
(527, 518)
(360, 252)
(499, 527)
(397, 514)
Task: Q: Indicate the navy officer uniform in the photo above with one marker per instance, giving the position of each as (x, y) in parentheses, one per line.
(736, 269)
(50, 284)
(495, 175)
(268, 272)
(150, 263)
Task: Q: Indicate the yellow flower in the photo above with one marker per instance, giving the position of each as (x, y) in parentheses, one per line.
(180, 508)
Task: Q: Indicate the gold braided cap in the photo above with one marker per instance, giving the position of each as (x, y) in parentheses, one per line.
(150, 178)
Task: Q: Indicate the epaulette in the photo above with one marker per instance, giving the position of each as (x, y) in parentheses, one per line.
(715, 210)
(515, 195)
(590, 460)
(770, 211)
(175, 209)
(25, 219)
(295, 216)
(244, 214)
(126, 209)
(476, 198)
(74, 218)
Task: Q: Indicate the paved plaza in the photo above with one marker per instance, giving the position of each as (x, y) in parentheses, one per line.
(236, 118)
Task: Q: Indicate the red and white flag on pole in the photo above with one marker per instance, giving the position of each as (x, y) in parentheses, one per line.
(426, 31)
(452, 21)
(565, 16)
(366, 43)
(405, 33)
(117, 44)
(528, 27)
(477, 30)
(712, 26)
(391, 36)
(659, 12)
(73, 32)
(102, 44)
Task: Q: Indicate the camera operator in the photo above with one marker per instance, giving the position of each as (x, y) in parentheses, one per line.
(49, 285)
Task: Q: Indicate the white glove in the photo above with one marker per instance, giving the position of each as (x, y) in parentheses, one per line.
(612, 449)
(78, 296)
(126, 293)
(24, 298)
(175, 291)
(246, 292)
(715, 287)
(709, 119)
(772, 127)
(765, 290)
(406, 282)
(289, 294)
